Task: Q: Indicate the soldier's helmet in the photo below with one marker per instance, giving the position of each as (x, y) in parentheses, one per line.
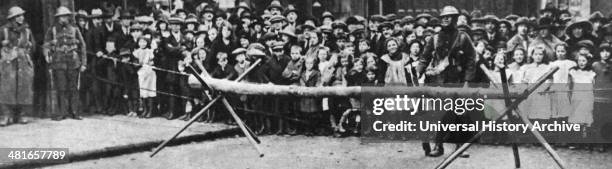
(62, 10)
(449, 10)
(14, 12)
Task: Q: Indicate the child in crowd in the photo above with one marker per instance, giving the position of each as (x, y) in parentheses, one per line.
(603, 96)
(223, 71)
(310, 107)
(518, 61)
(128, 81)
(146, 76)
(292, 74)
(111, 92)
(355, 77)
(561, 100)
(538, 103)
(582, 78)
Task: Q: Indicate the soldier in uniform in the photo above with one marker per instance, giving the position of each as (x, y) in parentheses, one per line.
(448, 59)
(64, 51)
(16, 67)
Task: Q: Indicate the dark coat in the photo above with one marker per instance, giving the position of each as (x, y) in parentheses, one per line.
(456, 45)
(273, 69)
(128, 77)
(310, 105)
(228, 72)
(17, 74)
(170, 54)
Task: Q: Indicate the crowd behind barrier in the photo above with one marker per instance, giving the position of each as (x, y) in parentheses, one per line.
(137, 63)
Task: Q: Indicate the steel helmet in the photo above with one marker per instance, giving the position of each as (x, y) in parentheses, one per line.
(449, 10)
(14, 11)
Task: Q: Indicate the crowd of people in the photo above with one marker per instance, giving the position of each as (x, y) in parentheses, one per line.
(138, 62)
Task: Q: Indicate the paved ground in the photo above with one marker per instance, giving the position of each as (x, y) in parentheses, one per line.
(327, 152)
(98, 134)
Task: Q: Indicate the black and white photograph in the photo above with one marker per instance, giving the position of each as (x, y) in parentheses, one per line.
(306, 84)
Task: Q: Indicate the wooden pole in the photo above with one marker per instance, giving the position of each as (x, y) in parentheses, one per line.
(507, 111)
(507, 101)
(351, 91)
(203, 110)
(517, 161)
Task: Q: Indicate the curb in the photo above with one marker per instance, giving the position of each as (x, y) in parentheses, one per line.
(126, 149)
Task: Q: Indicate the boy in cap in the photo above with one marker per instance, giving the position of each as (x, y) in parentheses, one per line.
(128, 78)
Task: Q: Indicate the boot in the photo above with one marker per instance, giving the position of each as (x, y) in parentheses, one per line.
(75, 116)
(437, 151)
(19, 119)
(5, 122)
(170, 115)
(463, 154)
(148, 108)
(186, 117)
(426, 148)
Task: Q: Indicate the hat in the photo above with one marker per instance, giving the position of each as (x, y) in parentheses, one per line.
(136, 27)
(108, 14)
(586, 43)
(147, 19)
(126, 15)
(423, 15)
(523, 21)
(597, 16)
(339, 25)
(352, 21)
(476, 13)
(307, 26)
(175, 20)
(191, 18)
(605, 46)
(275, 4)
(464, 27)
(377, 18)
(511, 17)
(505, 22)
(545, 23)
(449, 10)
(385, 25)
(391, 17)
(407, 19)
(62, 10)
(255, 52)
(327, 14)
(358, 31)
(239, 51)
(277, 18)
(585, 25)
(290, 8)
(268, 36)
(82, 14)
(244, 6)
(14, 11)
(208, 10)
(124, 51)
(325, 28)
(289, 31)
(96, 13)
(491, 18)
(434, 22)
(278, 45)
(478, 30)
